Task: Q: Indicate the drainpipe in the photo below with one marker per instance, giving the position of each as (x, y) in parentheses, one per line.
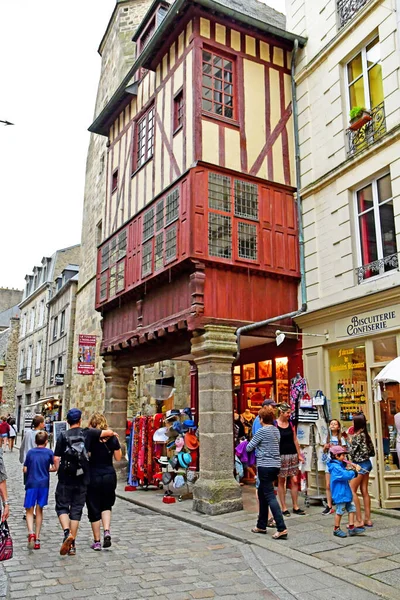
(247, 328)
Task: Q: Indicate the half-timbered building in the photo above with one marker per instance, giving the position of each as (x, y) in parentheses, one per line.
(200, 232)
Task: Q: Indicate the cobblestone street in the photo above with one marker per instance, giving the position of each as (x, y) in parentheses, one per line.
(154, 556)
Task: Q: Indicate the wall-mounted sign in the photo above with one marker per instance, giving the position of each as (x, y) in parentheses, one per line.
(369, 323)
(59, 378)
(87, 354)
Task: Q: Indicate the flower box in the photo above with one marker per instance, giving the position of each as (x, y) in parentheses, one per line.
(360, 120)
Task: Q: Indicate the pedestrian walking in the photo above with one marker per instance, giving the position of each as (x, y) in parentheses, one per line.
(342, 494)
(290, 458)
(361, 451)
(72, 461)
(38, 464)
(100, 496)
(335, 438)
(12, 433)
(265, 442)
(4, 431)
(28, 441)
(5, 513)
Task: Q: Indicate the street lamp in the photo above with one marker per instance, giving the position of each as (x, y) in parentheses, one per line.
(6, 122)
(280, 335)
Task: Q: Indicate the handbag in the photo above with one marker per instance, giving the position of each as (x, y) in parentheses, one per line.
(6, 544)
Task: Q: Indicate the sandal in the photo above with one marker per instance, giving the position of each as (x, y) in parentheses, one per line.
(280, 535)
(256, 530)
(271, 523)
(368, 524)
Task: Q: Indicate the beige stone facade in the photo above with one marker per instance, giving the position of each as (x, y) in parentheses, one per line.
(40, 286)
(350, 188)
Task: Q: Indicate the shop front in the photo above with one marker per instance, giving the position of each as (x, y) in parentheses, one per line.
(361, 342)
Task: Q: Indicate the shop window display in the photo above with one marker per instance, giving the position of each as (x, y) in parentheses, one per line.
(385, 349)
(348, 383)
(255, 382)
(390, 419)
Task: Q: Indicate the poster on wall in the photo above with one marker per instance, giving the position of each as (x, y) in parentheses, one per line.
(87, 354)
(58, 428)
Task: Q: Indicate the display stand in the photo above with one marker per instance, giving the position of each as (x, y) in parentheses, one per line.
(314, 462)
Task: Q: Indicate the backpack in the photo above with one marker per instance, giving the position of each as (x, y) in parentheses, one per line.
(76, 458)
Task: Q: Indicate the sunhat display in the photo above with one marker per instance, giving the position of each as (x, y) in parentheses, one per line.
(160, 435)
(184, 459)
(163, 461)
(174, 462)
(172, 433)
(171, 443)
(166, 478)
(179, 481)
(191, 441)
(179, 443)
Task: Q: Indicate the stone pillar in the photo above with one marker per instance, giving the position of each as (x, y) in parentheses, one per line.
(116, 402)
(216, 491)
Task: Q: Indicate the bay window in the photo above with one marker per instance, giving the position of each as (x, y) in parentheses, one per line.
(218, 84)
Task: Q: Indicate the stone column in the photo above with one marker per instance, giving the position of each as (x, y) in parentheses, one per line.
(116, 402)
(216, 491)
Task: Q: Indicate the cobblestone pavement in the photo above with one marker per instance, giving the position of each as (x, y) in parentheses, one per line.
(155, 555)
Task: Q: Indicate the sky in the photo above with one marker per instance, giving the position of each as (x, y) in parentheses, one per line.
(49, 74)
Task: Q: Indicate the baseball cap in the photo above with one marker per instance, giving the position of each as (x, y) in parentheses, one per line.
(269, 402)
(338, 450)
(74, 415)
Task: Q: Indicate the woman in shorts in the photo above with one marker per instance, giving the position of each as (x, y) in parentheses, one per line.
(290, 457)
(361, 451)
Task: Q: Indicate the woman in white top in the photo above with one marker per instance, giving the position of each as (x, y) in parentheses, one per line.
(12, 434)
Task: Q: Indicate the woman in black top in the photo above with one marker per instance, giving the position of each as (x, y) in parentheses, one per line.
(290, 457)
(100, 496)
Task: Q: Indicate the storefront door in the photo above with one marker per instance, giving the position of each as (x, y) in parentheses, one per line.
(387, 459)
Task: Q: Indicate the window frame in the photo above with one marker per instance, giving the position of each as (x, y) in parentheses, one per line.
(114, 252)
(235, 97)
(178, 105)
(114, 180)
(62, 322)
(378, 232)
(234, 217)
(144, 116)
(52, 372)
(364, 75)
(55, 328)
(38, 357)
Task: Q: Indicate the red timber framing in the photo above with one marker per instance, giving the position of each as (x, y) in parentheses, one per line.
(215, 247)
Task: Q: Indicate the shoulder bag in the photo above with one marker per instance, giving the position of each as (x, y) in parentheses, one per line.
(6, 544)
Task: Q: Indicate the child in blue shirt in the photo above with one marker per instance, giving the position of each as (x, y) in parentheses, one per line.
(38, 463)
(341, 491)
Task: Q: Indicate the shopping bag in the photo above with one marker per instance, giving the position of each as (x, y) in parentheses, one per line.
(319, 399)
(6, 544)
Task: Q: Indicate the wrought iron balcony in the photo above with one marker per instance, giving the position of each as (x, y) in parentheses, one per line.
(24, 374)
(378, 267)
(346, 9)
(369, 133)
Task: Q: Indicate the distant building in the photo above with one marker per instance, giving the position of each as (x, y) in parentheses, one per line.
(33, 335)
(8, 364)
(60, 342)
(9, 309)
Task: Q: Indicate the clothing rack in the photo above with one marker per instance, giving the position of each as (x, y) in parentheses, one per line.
(314, 469)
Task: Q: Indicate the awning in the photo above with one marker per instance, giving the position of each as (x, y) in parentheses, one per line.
(45, 399)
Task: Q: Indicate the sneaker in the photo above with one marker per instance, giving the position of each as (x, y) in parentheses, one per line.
(37, 545)
(107, 539)
(96, 546)
(67, 544)
(339, 533)
(72, 550)
(31, 541)
(356, 530)
(327, 510)
(298, 511)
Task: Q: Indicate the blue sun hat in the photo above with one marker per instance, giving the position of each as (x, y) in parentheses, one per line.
(177, 426)
(188, 424)
(188, 413)
(184, 459)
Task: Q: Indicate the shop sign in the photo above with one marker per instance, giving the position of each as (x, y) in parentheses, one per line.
(368, 323)
(59, 379)
(87, 354)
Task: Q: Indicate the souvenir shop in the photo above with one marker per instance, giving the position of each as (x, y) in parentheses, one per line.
(164, 453)
(362, 340)
(264, 372)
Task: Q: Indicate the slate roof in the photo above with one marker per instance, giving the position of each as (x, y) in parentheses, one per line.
(256, 10)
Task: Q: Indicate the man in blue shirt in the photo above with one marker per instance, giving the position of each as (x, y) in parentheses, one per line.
(257, 424)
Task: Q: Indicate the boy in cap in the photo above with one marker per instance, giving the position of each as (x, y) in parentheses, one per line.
(341, 491)
(71, 459)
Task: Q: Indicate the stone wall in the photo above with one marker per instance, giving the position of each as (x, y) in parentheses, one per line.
(117, 53)
(9, 297)
(10, 371)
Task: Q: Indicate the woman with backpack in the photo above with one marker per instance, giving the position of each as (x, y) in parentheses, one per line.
(361, 451)
(100, 497)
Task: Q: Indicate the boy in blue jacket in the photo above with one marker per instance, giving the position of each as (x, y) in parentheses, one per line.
(342, 495)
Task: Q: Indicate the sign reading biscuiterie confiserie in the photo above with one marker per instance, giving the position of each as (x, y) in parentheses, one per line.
(369, 323)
